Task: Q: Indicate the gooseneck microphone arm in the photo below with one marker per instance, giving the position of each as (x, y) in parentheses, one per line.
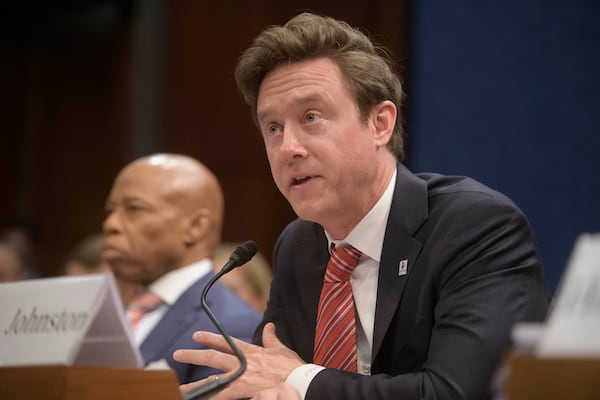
(241, 255)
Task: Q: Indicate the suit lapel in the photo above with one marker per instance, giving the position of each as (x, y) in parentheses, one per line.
(391, 284)
(408, 212)
(182, 313)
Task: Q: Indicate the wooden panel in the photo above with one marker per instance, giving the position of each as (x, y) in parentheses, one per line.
(531, 378)
(72, 134)
(12, 81)
(90, 383)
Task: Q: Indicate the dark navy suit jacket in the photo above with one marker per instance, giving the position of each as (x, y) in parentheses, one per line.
(174, 331)
(440, 330)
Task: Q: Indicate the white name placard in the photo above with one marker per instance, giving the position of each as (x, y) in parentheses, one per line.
(65, 321)
(573, 325)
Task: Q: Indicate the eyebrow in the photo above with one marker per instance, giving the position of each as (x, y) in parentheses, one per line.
(307, 99)
(128, 199)
(135, 199)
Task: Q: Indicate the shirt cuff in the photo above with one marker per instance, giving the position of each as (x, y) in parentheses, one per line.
(301, 377)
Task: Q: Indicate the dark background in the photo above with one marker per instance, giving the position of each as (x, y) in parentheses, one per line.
(504, 91)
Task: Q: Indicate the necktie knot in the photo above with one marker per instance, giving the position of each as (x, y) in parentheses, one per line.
(142, 304)
(342, 262)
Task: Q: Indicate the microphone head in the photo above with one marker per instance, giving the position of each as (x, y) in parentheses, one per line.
(244, 253)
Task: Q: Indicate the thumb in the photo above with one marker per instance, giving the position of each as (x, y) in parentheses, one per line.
(269, 337)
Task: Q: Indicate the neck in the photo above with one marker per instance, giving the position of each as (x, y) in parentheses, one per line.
(343, 225)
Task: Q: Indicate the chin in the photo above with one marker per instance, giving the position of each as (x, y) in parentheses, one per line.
(307, 214)
(126, 272)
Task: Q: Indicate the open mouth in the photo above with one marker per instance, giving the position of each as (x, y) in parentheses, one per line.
(300, 180)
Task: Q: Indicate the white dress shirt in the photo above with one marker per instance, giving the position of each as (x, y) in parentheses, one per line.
(169, 288)
(367, 237)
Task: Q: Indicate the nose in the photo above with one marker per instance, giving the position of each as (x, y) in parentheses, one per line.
(292, 145)
(111, 223)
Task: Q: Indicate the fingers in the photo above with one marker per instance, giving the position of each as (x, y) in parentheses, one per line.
(218, 342)
(266, 367)
(189, 386)
(210, 358)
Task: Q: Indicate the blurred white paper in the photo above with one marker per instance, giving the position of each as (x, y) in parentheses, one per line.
(65, 321)
(573, 326)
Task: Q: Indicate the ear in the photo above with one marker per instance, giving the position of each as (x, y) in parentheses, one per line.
(197, 225)
(383, 117)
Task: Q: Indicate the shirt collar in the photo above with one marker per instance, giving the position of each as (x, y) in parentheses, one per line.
(367, 236)
(172, 285)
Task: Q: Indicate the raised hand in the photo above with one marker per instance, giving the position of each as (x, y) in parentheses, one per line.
(267, 367)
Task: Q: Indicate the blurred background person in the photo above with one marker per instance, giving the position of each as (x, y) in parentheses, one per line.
(21, 238)
(251, 282)
(11, 264)
(164, 216)
(86, 257)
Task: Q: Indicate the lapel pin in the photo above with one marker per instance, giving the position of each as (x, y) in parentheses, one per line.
(403, 268)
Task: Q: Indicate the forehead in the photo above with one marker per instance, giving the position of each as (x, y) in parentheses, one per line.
(300, 80)
(141, 180)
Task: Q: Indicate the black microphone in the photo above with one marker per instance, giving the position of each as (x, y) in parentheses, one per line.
(239, 257)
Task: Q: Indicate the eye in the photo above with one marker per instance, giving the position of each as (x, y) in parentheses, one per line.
(133, 208)
(311, 117)
(273, 129)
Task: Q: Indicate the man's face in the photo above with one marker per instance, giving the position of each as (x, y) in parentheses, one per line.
(322, 155)
(142, 229)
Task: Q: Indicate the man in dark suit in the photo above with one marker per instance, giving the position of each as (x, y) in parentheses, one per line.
(163, 222)
(445, 266)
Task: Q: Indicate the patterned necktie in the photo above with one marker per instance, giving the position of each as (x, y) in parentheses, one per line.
(142, 304)
(335, 338)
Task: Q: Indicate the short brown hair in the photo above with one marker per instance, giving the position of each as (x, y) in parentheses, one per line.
(367, 68)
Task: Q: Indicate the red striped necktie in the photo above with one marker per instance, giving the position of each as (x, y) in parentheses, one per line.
(335, 338)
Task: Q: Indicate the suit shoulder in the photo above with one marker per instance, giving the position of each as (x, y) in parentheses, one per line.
(463, 191)
(299, 231)
(298, 237)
